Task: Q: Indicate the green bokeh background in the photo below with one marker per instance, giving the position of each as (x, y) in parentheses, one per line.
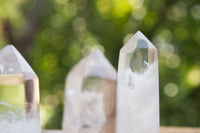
(53, 35)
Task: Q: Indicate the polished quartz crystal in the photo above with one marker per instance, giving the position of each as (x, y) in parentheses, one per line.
(19, 94)
(90, 94)
(137, 87)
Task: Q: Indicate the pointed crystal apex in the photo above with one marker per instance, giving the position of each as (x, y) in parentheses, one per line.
(12, 62)
(95, 64)
(137, 40)
(96, 51)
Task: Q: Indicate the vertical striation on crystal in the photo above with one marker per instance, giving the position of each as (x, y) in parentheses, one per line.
(138, 87)
(90, 93)
(19, 94)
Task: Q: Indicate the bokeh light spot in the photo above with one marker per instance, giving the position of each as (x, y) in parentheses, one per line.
(195, 11)
(173, 61)
(177, 12)
(121, 8)
(136, 3)
(166, 35)
(171, 89)
(70, 10)
(79, 24)
(104, 7)
(166, 49)
(139, 13)
(193, 77)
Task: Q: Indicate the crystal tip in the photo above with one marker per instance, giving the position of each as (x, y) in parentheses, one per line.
(96, 50)
(19, 64)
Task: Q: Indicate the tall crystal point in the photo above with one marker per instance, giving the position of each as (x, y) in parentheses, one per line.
(19, 94)
(90, 93)
(137, 87)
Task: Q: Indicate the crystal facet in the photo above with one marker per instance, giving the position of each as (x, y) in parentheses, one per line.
(90, 94)
(19, 94)
(137, 87)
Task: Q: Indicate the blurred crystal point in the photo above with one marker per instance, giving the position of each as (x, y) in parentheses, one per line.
(137, 87)
(19, 94)
(11, 62)
(90, 93)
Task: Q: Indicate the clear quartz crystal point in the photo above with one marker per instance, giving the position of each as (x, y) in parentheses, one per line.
(90, 93)
(137, 87)
(19, 94)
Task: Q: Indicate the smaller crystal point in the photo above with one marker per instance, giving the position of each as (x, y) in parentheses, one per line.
(137, 87)
(138, 40)
(12, 62)
(90, 96)
(99, 66)
(19, 94)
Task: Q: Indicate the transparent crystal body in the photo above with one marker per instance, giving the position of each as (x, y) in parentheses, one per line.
(19, 94)
(90, 96)
(137, 87)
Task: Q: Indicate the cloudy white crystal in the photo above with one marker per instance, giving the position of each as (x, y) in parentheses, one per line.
(90, 96)
(137, 87)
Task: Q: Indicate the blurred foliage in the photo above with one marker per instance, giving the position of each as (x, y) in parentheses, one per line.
(54, 34)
